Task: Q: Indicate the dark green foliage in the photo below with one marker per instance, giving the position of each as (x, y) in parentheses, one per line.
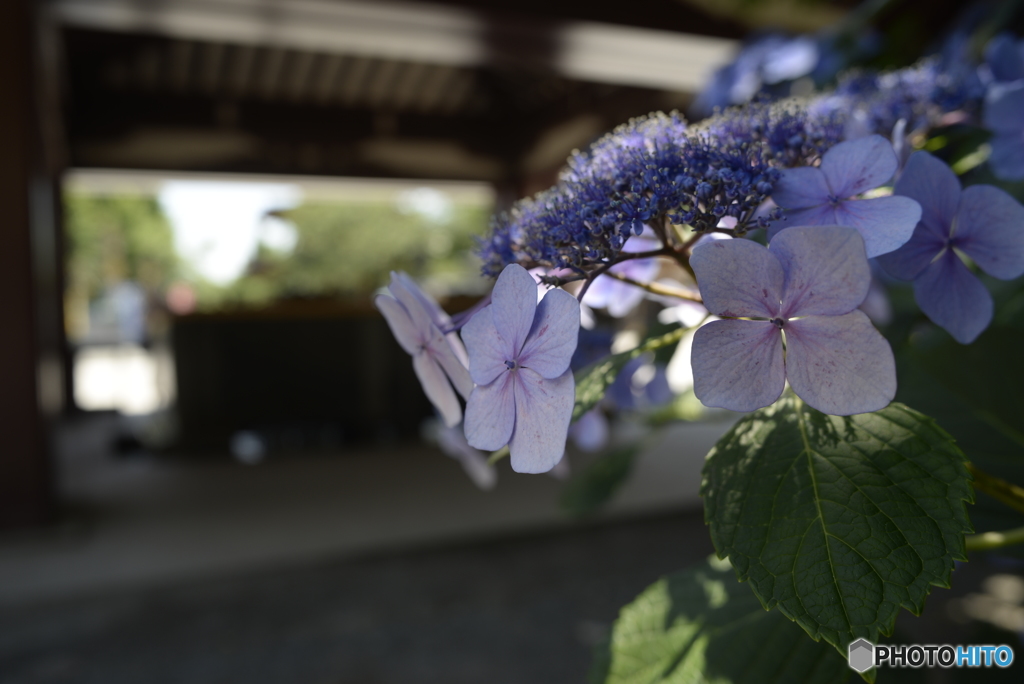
(349, 249)
(838, 521)
(593, 381)
(593, 487)
(700, 625)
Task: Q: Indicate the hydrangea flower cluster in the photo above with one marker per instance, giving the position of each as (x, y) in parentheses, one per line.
(804, 288)
(981, 222)
(1003, 103)
(790, 134)
(657, 169)
(874, 102)
(815, 174)
(648, 170)
(660, 209)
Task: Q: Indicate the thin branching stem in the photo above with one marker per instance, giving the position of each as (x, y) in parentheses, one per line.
(658, 288)
(626, 256)
(994, 540)
(1010, 494)
(591, 277)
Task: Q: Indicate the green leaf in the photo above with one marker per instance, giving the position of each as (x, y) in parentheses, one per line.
(594, 380)
(838, 520)
(701, 625)
(593, 487)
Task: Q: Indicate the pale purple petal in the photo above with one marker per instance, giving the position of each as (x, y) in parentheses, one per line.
(990, 230)
(840, 365)
(877, 305)
(900, 145)
(1007, 158)
(907, 262)
(437, 388)
(623, 299)
(1004, 103)
(440, 348)
(437, 315)
(950, 295)
(460, 319)
(823, 215)
(459, 349)
(826, 270)
(885, 223)
(680, 311)
(590, 432)
(487, 351)
(474, 462)
(641, 270)
(856, 166)
(491, 413)
(738, 365)
(1004, 58)
(738, 278)
(399, 322)
(552, 341)
(415, 309)
(645, 242)
(543, 411)
(514, 302)
(617, 297)
(935, 187)
(800, 188)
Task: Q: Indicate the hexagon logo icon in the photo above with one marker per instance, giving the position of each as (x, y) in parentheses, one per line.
(861, 655)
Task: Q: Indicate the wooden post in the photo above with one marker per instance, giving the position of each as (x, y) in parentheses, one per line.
(31, 326)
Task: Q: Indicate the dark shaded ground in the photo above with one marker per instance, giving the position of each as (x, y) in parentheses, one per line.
(523, 610)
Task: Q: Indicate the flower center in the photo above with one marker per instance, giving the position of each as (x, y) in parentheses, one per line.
(778, 323)
(834, 201)
(512, 365)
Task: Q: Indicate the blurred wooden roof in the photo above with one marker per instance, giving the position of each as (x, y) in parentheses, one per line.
(461, 90)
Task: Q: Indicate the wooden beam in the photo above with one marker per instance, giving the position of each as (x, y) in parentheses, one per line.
(31, 373)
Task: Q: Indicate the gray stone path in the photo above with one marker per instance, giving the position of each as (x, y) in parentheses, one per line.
(520, 610)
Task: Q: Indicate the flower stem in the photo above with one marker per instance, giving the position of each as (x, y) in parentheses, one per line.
(626, 256)
(994, 540)
(591, 277)
(1010, 494)
(498, 455)
(657, 288)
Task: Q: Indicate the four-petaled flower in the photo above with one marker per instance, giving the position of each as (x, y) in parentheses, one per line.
(821, 196)
(519, 353)
(982, 222)
(416, 320)
(1004, 103)
(804, 289)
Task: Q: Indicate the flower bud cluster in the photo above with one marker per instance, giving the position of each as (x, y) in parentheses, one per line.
(652, 169)
(874, 101)
(789, 134)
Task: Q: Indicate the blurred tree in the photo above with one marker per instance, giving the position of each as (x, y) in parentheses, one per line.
(349, 249)
(111, 239)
